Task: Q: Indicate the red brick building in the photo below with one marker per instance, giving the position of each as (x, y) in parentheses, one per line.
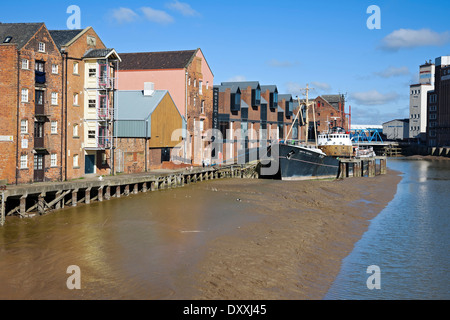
(82, 101)
(250, 116)
(438, 128)
(189, 79)
(31, 115)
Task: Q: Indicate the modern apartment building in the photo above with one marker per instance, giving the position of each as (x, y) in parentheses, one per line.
(418, 102)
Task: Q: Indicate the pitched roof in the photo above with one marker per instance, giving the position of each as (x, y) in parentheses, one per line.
(20, 33)
(242, 84)
(271, 88)
(156, 60)
(99, 53)
(285, 96)
(63, 37)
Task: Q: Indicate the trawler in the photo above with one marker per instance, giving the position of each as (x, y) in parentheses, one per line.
(336, 142)
(303, 161)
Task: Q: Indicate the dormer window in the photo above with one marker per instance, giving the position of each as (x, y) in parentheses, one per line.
(236, 100)
(7, 40)
(256, 97)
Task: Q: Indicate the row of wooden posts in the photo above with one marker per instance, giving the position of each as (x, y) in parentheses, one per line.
(27, 202)
(363, 167)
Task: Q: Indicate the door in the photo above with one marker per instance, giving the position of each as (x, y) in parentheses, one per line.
(89, 164)
(38, 135)
(39, 168)
(165, 155)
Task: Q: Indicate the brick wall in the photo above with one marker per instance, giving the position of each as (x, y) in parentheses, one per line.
(8, 109)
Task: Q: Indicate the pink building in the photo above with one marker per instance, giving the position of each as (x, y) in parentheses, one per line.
(188, 78)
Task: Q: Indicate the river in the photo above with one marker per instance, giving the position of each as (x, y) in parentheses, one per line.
(409, 241)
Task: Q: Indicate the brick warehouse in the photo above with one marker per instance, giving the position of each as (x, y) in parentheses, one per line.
(258, 112)
(189, 79)
(31, 99)
(82, 105)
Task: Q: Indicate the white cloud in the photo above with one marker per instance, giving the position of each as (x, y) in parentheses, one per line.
(237, 78)
(281, 64)
(157, 16)
(124, 15)
(373, 97)
(184, 8)
(393, 72)
(408, 38)
(294, 88)
(321, 86)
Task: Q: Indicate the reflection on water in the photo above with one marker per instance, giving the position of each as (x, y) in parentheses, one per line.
(408, 240)
(141, 247)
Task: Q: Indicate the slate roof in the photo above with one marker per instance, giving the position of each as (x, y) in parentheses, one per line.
(98, 53)
(156, 60)
(21, 33)
(271, 88)
(242, 84)
(62, 37)
(287, 97)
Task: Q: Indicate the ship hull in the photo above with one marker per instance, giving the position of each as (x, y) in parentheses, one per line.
(337, 150)
(299, 163)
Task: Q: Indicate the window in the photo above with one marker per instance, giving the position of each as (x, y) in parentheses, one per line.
(92, 103)
(200, 87)
(54, 98)
(75, 161)
(195, 83)
(432, 117)
(54, 127)
(24, 126)
(189, 81)
(39, 97)
(75, 67)
(54, 68)
(75, 99)
(202, 107)
(195, 100)
(75, 131)
(92, 73)
(41, 47)
(91, 134)
(39, 66)
(24, 95)
(207, 85)
(25, 64)
(53, 160)
(23, 161)
(7, 39)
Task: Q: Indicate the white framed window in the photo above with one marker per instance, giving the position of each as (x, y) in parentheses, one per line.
(92, 103)
(195, 83)
(75, 99)
(75, 161)
(202, 107)
(207, 85)
(24, 126)
(91, 134)
(55, 69)
(54, 127)
(75, 67)
(41, 47)
(24, 95)
(92, 73)
(189, 81)
(23, 161)
(25, 64)
(55, 98)
(53, 160)
(200, 87)
(75, 130)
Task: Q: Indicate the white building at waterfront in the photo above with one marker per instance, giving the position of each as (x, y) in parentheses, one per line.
(418, 102)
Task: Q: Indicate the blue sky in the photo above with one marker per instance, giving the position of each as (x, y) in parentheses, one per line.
(288, 43)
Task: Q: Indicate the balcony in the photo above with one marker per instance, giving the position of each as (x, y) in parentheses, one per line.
(40, 78)
(105, 82)
(104, 113)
